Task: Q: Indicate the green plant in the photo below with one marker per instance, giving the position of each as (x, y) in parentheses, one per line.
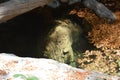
(30, 77)
(118, 62)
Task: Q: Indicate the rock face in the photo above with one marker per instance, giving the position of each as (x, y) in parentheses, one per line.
(18, 68)
(97, 7)
(60, 40)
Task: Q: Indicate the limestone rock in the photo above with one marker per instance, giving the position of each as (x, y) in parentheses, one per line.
(18, 68)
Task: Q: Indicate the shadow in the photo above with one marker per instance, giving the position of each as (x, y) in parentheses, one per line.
(2, 1)
(83, 43)
(21, 34)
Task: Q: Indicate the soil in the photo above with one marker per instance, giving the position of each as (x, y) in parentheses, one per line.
(105, 37)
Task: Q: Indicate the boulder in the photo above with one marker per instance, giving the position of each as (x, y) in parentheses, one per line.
(25, 68)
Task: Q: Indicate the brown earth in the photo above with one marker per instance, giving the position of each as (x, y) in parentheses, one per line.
(105, 37)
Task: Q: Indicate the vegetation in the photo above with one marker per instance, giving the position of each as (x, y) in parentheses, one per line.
(30, 77)
(104, 36)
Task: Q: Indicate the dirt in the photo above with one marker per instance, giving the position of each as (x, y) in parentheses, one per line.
(105, 37)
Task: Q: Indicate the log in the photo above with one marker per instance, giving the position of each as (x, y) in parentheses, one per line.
(13, 8)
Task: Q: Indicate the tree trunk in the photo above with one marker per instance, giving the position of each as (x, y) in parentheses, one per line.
(13, 8)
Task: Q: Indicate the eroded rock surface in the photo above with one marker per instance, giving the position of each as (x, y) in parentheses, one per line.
(18, 68)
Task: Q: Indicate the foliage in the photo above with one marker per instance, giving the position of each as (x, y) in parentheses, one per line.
(31, 77)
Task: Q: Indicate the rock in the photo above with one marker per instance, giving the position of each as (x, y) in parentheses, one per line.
(97, 7)
(19, 68)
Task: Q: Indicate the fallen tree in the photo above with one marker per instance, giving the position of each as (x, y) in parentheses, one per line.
(13, 8)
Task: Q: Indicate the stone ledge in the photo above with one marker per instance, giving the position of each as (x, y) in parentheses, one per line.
(44, 69)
